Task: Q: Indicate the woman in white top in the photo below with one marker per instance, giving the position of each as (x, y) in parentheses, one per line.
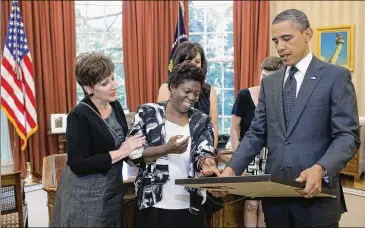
(179, 145)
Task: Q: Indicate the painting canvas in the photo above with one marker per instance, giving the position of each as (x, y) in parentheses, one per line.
(334, 44)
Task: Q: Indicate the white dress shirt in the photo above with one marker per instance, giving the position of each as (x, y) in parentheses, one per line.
(302, 67)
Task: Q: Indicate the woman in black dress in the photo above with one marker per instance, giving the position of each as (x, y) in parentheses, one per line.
(243, 112)
(90, 192)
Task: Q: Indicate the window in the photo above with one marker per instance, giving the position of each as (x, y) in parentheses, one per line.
(211, 24)
(99, 28)
(6, 156)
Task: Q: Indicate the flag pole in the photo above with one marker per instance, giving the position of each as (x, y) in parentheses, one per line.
(30, 178)
(178, 23)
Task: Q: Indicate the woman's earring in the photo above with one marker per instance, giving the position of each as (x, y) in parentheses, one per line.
(91, 94)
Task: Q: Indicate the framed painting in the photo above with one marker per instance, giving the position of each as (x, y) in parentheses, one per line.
(335, 44)
(58, 123)
(252, 186)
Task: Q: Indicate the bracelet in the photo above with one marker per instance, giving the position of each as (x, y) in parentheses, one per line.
(201, 161)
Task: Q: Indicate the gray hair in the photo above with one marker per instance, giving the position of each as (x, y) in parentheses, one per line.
(296, 16)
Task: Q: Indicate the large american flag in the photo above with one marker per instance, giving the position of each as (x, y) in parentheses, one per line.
(17, 79)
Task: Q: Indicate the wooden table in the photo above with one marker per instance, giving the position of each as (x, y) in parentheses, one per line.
(356, 166)
(61, 142)
(129, 175)
(232, 213)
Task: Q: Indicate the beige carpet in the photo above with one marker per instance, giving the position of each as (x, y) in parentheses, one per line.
(37, 208)
(355, 199)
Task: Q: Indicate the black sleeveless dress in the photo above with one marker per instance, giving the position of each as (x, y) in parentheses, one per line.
(203, 103)
(244, 107)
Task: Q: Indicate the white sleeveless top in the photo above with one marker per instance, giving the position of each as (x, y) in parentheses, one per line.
(175, 196)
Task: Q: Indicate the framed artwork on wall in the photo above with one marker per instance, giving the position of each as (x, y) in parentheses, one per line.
(335, 44)
(58, 123)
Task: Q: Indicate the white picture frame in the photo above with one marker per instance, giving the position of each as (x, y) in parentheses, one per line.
(58, 123)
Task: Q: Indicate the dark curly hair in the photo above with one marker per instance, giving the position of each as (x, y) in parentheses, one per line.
(187, 51)
(184, 72)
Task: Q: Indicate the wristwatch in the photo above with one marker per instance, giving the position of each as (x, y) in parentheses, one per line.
(325, 173)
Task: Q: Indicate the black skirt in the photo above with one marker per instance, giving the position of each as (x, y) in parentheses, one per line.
(165, 218)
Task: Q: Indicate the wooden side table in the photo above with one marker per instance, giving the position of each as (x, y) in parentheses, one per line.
(356, 166)
(61, 142)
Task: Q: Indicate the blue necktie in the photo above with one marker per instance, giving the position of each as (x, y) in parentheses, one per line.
(289, 95)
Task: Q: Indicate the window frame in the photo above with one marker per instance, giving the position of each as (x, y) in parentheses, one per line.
(103, 34)
(221, 60)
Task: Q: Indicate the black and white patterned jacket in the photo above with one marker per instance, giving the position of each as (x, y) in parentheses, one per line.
(150, 121)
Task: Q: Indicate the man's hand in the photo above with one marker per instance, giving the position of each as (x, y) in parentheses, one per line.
(313, 177)
(227, 172)
(209, 167)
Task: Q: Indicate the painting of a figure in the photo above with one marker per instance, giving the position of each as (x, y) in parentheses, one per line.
(59, 122)
(335, 45)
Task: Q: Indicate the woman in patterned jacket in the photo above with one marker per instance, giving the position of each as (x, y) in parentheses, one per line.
(180, 145)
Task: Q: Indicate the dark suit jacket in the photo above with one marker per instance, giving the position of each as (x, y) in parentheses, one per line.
(89, 140)
(324, 129)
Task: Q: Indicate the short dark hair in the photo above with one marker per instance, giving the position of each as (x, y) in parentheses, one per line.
(184, 72)
(296, 16)
(92, 68)
(187, 51)
(272, 63)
